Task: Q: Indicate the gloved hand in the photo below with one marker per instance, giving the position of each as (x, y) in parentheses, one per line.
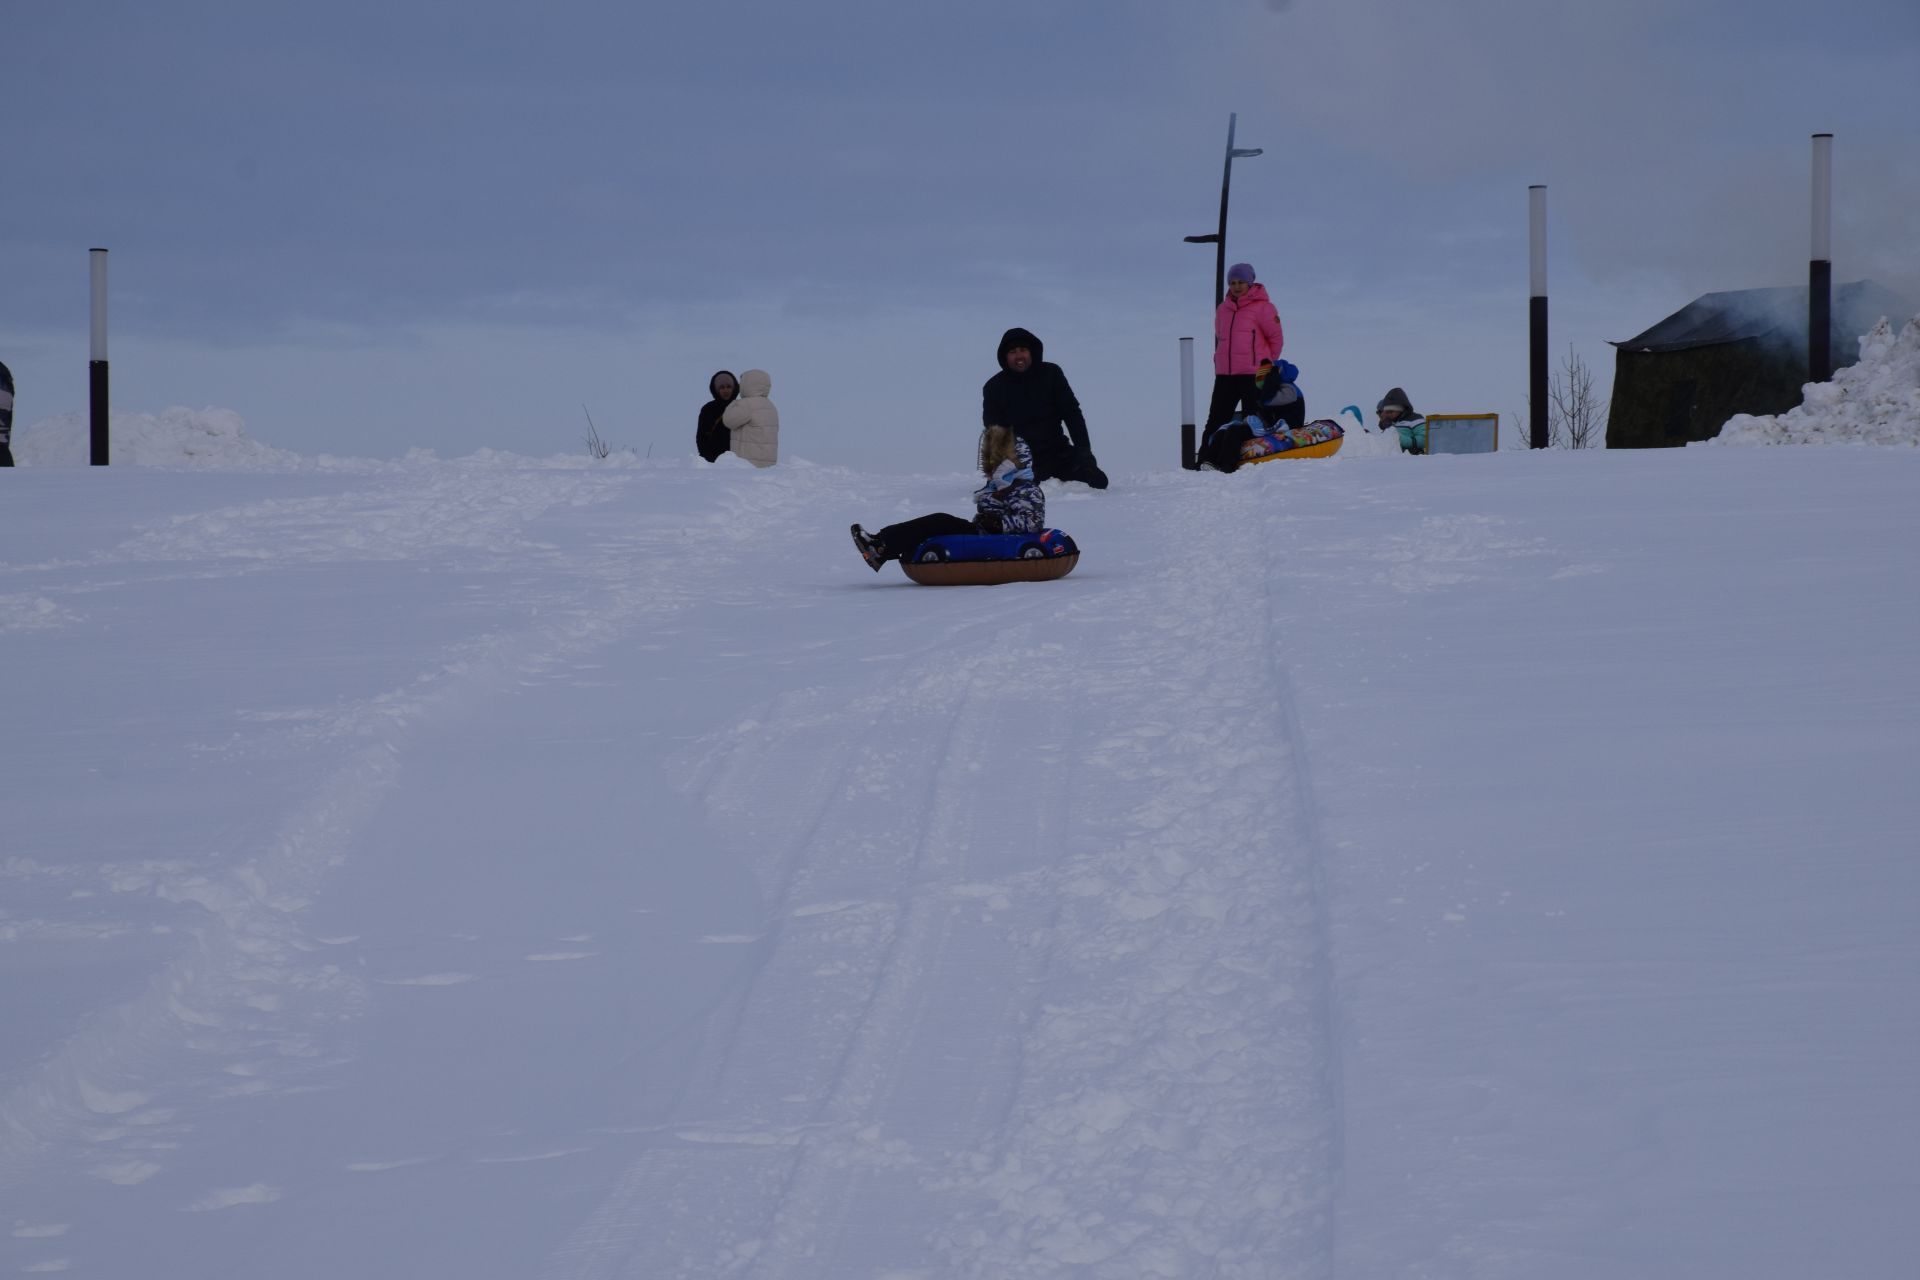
(1083, 468)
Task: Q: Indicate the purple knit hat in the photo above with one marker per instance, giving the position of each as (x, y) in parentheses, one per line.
(1240, 271)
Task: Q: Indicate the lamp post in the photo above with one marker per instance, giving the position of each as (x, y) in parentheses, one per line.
(1219, 238)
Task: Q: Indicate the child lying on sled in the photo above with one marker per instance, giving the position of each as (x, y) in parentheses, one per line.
(1282, 409)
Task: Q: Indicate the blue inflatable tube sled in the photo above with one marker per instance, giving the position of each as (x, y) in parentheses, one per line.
(982, 559)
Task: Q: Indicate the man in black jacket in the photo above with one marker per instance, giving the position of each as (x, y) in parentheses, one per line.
(1032, 399)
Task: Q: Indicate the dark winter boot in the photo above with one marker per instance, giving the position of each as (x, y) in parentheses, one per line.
(870, 550)
(1090, 474)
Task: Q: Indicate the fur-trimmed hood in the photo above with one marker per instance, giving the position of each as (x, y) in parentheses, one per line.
(1008, 471)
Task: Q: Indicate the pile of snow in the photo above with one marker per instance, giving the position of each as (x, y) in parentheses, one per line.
(1876, 401)
(1364, 440)
(207, 439)
(216, 440)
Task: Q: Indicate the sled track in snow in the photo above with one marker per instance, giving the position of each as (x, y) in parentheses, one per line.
(248, 944)
(1072, 1016)
(769, 1155)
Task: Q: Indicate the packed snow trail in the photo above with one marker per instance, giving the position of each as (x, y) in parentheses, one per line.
(1007, 889)
(1042, 977)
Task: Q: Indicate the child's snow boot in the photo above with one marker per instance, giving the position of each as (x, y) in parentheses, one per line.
(869, 549)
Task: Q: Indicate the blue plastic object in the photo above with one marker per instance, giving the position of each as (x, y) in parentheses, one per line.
(961, 548)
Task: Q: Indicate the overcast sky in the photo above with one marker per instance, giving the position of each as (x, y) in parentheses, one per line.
(375, 226)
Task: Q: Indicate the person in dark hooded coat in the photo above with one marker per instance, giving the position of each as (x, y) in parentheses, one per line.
(1031, 398)
(711, 437)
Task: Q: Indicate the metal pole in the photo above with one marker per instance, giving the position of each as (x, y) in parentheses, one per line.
(1820, 267)
(1537, 314)
(1219, 237)
(1220, 246)
(97, 366)
(1187, 459)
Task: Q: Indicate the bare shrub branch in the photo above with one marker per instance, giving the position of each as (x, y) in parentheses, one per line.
(1576, 417)
(596, 447)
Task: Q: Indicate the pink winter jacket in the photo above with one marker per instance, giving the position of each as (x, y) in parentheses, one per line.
(1245, 332)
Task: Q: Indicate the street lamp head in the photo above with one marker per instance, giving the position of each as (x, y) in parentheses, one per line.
(1245, 151)
(1212, 239)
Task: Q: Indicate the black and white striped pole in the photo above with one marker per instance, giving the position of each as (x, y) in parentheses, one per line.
(97, 366)
(1187, 458)
(1820, 268)
(1537, 314)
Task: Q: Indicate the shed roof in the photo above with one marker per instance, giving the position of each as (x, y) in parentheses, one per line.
(1778, 313)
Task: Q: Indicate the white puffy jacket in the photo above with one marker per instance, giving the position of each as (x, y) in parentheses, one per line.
(752, 420)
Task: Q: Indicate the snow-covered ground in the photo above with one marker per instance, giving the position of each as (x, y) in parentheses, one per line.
(1374, 867)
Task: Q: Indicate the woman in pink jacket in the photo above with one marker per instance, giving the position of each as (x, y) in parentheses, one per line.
(1246, 330)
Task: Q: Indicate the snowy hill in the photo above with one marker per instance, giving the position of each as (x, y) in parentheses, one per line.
(1377, 867)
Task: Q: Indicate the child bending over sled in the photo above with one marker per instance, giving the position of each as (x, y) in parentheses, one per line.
(1282, 410)
(1009, 502)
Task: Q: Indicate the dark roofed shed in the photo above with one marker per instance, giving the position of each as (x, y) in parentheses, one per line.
(1726, 353)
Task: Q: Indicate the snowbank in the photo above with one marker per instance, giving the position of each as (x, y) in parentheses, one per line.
(216, 440)
(208, 439)
(1366, 441)
(1876, 401)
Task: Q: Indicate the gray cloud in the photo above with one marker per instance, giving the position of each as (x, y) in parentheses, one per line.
(910, 181)
(1672, 145)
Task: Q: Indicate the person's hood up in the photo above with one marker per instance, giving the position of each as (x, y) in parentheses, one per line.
(755, 382)
(1399, 398)
(713, 389)
(1022, 455)
(1021, 338)
(1010, 471)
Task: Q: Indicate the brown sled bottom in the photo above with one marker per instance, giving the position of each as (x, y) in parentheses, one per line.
(986, 573)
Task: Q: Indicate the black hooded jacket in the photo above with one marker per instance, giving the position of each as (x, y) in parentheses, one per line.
(711, 437)
(1035, 405)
